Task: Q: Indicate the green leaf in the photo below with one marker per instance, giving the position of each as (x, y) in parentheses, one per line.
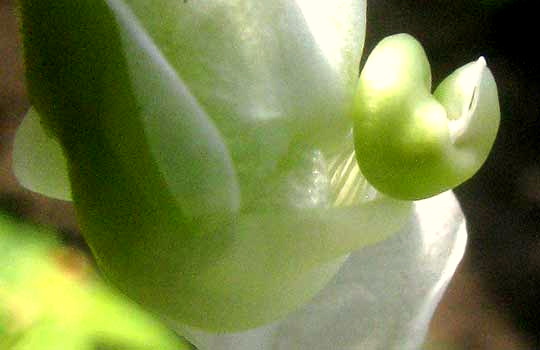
(106, 74)
(48, 304)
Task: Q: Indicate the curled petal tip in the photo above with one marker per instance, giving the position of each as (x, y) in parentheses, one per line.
(410, 143)
(470, 85)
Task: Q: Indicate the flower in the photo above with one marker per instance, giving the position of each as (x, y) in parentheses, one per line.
(210, 157)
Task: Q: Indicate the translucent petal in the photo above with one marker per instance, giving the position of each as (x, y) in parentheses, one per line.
(382, 298)
(38, 160)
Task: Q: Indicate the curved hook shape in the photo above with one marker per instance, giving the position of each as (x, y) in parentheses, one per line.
(409, 143)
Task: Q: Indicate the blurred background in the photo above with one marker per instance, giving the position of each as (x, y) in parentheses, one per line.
(493, 301)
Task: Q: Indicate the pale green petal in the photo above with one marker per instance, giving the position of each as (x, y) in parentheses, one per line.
(264, 61)
(279, 261)
(156, 135)
(38, 161)
(270, 85)
(182, 139)
(381, 299)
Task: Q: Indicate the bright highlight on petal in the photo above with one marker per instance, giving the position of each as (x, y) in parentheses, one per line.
(470, 97)
(337, 28)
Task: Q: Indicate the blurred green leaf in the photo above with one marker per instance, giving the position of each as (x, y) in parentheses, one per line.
(51, 299)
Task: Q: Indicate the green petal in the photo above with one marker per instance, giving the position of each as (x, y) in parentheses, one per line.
(38, 160)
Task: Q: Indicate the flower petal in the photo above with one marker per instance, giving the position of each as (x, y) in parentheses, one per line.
(38, 161)
(279, 261)
(106, 81)
(271, 74)
(266, 83)
(382, 298)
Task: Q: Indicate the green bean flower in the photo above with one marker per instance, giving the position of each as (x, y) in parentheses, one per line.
(214, 152)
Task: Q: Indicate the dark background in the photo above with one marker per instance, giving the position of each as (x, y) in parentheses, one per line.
(494, 299)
